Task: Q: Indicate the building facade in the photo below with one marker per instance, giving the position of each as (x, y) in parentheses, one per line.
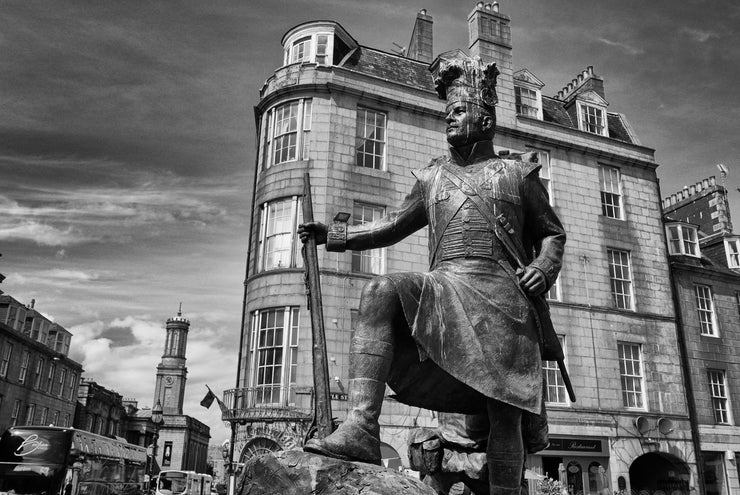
(99, 410)
(359, 120)
(706, 282)
(38, 381)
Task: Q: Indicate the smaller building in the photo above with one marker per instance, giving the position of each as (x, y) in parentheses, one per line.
(705, 271)
(99, 410)
(38, 381)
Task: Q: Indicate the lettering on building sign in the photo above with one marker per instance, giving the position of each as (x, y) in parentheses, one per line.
(338, 396)
(575, 444)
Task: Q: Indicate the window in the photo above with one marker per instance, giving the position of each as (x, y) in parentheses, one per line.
(301, 50)
(66, 420)
(705, 308)
(372, 260)
(592, 119)
(15, 413)
(611, 197)
(732, 247)
(39, 372)
(44, 416)
(555, 391)
(286, 133)
(630, 371)
(715, 475)
(720, 401)
(620, 277)
(308, 49)
(527, 102)
(72, 385)
(55, 418)
(62, 379)
(30, 413)
(737, 301)
(275, 335)
(370, 142)
(5, 362)
(279, 244)
(553, 293)
(24, 366)
(322, 49)
(50, 378)
(682, 239)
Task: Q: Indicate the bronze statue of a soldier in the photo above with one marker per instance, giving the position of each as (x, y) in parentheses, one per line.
(465, 336)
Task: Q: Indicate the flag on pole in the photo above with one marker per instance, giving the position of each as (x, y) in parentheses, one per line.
(208, 399)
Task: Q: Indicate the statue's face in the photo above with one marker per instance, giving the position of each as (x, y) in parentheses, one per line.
(468, 123)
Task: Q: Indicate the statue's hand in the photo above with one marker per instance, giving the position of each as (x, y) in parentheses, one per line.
(533, 281)
(316, 229)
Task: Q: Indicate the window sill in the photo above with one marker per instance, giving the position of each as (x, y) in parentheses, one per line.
(373, 172)
(710, 336)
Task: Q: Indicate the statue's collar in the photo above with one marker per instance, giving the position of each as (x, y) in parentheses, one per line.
(482, 150)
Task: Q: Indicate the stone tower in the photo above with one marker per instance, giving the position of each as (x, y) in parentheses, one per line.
(171, 371)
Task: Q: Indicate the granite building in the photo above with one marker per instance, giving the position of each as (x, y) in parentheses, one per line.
(705, 264)
(38, 380)
(359, 119)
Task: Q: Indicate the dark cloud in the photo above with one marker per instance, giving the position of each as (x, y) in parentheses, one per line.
(119, 336)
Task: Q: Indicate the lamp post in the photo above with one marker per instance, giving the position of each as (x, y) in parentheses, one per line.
(157, 420)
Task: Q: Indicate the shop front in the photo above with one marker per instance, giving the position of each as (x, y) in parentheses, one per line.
(581, 464)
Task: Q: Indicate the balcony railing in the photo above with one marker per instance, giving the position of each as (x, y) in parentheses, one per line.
(267, 402)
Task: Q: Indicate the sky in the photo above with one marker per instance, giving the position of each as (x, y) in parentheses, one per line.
(127, 145)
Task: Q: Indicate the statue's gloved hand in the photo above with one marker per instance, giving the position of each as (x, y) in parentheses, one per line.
(533, 281)
(317, 229)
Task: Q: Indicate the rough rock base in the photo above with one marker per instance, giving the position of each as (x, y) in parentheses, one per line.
(295, 472)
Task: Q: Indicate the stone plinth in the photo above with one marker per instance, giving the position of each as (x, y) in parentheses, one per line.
(295, 472)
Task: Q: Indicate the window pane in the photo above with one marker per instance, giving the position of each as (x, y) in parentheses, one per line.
(620, 278)
(718, 392)
(611, 199)
(705, 309)
(630, 370)
(373, 260)
(278, 240)
(555, 390)
(370, 139)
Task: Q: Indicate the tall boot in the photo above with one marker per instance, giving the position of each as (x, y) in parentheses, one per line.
(505, 449)
(358, 437)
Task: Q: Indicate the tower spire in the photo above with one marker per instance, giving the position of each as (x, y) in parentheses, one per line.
(179, 311)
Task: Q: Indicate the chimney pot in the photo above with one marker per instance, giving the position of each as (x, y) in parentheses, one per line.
(423, 11)
(495, 6)
(33, 303)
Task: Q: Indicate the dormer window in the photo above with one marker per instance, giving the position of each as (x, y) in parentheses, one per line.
(732, 248)
(528, 94)
(592, 119)
(313, 48)
(527, 102)
(682, 239)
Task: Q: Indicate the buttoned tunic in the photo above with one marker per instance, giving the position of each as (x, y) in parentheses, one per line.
(470, 332)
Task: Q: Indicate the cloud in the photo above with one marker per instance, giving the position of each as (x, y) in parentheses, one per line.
(632, 50)
(699, 35)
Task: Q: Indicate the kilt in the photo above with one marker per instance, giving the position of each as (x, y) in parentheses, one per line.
(470, 335)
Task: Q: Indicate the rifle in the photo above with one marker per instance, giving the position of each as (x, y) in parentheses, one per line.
(322, 419)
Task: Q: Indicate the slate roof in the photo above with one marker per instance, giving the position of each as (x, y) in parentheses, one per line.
(416, 74)
(391, 67)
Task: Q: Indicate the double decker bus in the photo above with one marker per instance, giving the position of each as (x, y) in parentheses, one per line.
(176, 482)
(47, 460)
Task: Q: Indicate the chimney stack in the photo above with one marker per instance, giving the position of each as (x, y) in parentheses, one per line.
(421, 44)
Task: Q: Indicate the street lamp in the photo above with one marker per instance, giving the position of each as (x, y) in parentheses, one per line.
(157, 420)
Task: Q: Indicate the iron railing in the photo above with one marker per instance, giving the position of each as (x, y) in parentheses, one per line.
(267, 402)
